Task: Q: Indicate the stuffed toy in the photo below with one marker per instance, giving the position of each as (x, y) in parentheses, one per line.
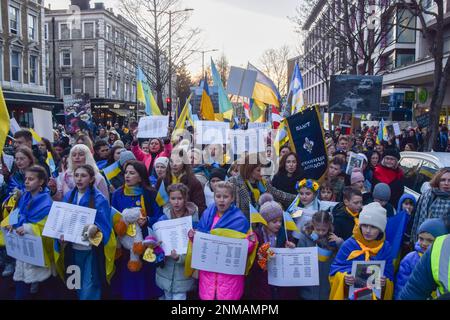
(130, 236)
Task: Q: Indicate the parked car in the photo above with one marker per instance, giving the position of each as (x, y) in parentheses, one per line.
(419, 168)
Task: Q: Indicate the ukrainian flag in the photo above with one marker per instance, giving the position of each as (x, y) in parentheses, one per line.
(265, 90)
(281, 137)
(206, 106)
(257, 111)
(255, 216)
(50, 162)
(112, 171)
(36, 137)
(4, 120)
(289, 223)
(184, 115)
(162, 197)
(11, 219)
(382, 132)
(296, 91)
(145, 96)
(225, 106)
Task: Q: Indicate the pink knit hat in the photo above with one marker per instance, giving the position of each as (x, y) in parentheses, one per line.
(356, 176)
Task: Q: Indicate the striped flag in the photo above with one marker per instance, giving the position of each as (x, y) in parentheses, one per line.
(36, 138)
(50, 162)
(289, 223)
(162, 197)
(255, 216)
(112, 171)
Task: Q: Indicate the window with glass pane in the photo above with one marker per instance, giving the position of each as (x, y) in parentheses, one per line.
(32, 27)
(118, 89)
(108, 87)
(89, 58)
(65, 31)
(89, 30)
(108, 58)
(15, 66)
(404, 59)
(46, 31)
(89, 84)
(33, 69)
(108, 32)
(66, 58)
(406, 20)
(67, 86)
(14, 20)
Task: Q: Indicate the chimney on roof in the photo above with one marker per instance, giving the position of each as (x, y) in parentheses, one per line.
(82, 4)
(99, 6)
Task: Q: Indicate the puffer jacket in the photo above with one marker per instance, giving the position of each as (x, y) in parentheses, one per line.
(406, 268)
(171, 277)
(147, 158)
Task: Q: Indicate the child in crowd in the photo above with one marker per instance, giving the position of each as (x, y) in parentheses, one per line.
(268, 236)
(216, 176)
(357, 181)
(326, 192)
(367, 244)
(335, 176)
(223, 214)
(170, 277)
(345, 214)
(382, 194)
(428, 231)
(306, 204)
(319, 233)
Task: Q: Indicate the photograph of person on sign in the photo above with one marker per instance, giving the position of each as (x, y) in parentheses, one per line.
(355, 94)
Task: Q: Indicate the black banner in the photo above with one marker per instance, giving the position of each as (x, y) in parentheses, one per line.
(308, 141)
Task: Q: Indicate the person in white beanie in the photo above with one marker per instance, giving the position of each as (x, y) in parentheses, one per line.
(160, 170)
(368, 243)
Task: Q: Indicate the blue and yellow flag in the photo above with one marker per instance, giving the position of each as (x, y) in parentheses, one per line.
(112, 170)
(36, 138)
(289, 223)
(162, 197)
(206, 106)
(145, 96)
(257, 111)
(281, 137)
(295, 93)
(4, 120)
(225, 106)
(265, 90)
(50, 162)
(255, 216)
(382, 132)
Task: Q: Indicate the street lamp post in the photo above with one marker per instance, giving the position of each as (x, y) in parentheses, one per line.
(203, 58)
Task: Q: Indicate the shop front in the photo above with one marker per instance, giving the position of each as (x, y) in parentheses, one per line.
(108, 112)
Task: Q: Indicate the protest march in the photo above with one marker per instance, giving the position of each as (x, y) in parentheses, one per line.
(282, 201)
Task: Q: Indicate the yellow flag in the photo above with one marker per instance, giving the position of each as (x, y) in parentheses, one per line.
(4, 120)
(206, 106)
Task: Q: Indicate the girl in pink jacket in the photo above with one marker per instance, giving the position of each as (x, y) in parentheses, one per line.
(223, 214)
(156, 150)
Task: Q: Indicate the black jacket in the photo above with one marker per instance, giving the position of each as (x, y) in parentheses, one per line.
(343, 222)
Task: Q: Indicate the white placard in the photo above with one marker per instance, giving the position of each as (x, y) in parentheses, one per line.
(9, 161)
(27, 248)
(153, 127)
(294, 267)
(212, 132)
(219, 254)
(396, 127)
(43, 123)
(259, 125)
(14, 126)
(68, 220)
(243, 141)
(174, 234)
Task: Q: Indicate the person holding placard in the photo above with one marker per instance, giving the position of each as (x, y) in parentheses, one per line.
(368, 243)
(171, 276)
(319, 233)
(223, 218)
(271, 235)
(34, 206)
(134, 282)
(96, 261)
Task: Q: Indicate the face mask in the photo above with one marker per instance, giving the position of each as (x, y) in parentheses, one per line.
(314, 236)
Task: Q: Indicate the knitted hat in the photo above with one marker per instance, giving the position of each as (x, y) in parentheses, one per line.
(118, 143)
(126, 156)
(382, 192)
(435, 227)
(269, 209)
(218, 173)
(373, 214)
(356, 176)
(162, 160)
(392, 152)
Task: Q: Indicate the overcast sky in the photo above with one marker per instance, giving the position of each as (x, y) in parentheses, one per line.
(242, 29)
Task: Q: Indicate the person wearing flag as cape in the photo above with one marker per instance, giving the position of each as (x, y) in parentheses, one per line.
(270, 233)
(95, 260)
(171, 277)
(33, 208)
(368, 243)
(222, 218)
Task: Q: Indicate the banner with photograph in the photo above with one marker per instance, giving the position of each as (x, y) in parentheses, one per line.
(77, 111)
(308, 141)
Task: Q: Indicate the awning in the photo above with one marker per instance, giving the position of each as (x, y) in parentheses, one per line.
(31, 99)
(120, 112)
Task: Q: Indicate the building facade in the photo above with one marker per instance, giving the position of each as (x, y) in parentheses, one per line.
(92, 50)
(22, 59)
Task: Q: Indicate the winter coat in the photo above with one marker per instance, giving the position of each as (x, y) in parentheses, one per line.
(394, 178)
(284, 183)
(170, 277)
(220, 286)
(407, 266)
(147, 158)
(242, 195)
(66, 183)
(343, 222)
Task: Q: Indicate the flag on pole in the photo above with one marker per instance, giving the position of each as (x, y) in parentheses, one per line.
(4, 120)
(225, 106)
(265, 90)
(289, 223)
(162, 197)
(206, 106)
(257, 111)
(145, 96)
(296, 91)
(382, 132)
(185, 114)
(112, 170)
(281, 137)
(255, 216)
(50, 162)
(36, 138)
(276, 118)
